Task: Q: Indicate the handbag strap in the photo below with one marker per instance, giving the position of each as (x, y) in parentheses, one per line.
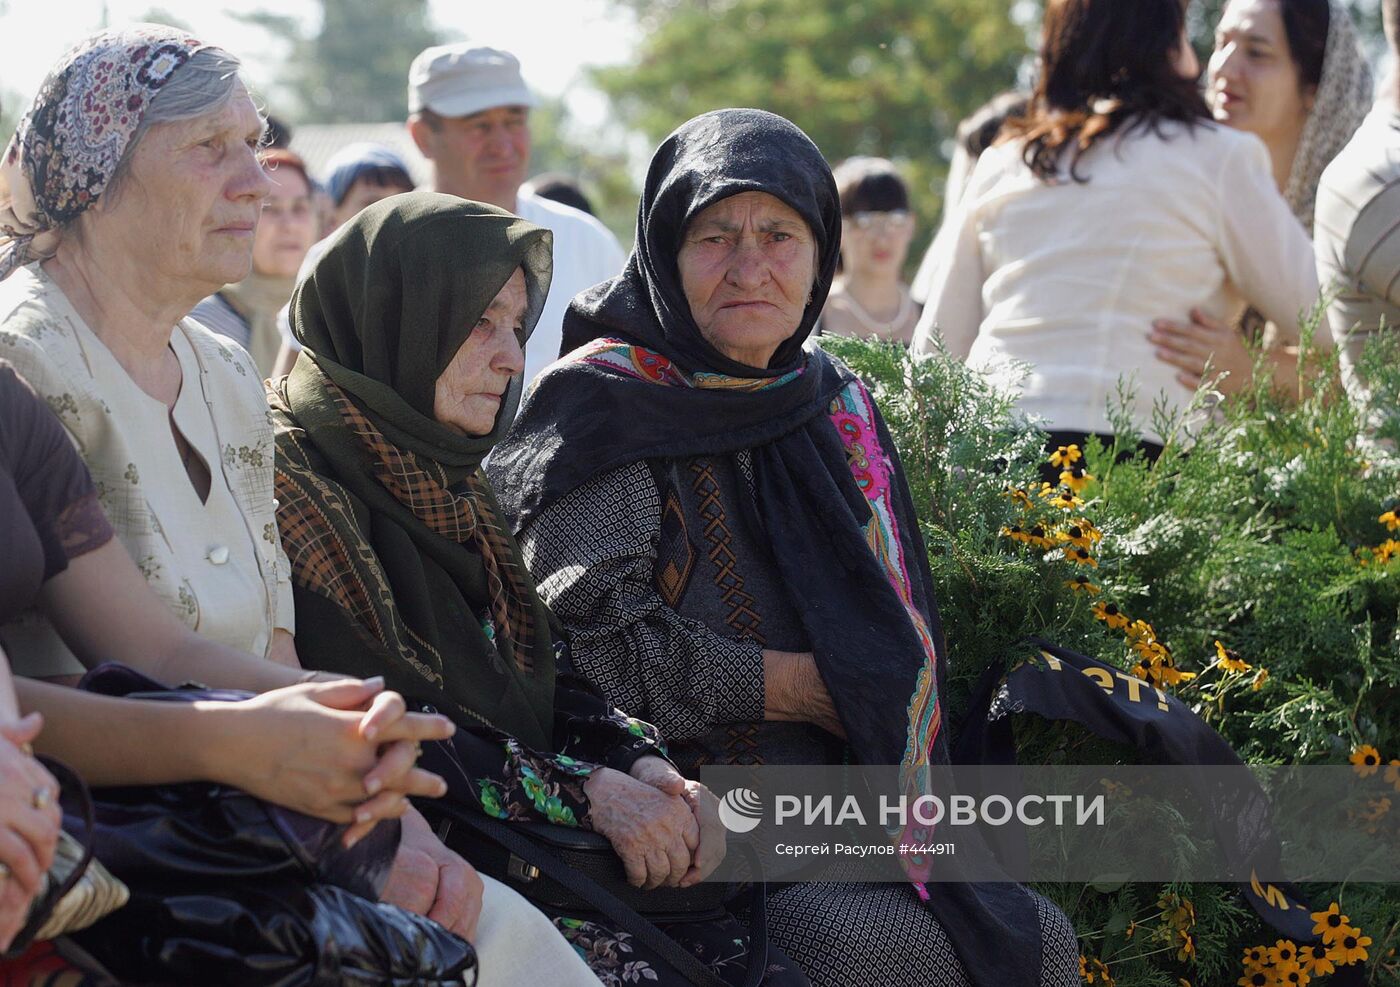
(626, 918)
(39, 912)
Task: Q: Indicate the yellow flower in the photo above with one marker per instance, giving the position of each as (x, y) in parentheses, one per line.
(1390, 521)
(1315, 961)
(1349, 947)
(1063, 498)
(1101, 968)
(1385, 551)
(1283, 953)
(1019, 497)
(1080, 533)
(1174, 676)
(1255, 957)
(1260, 677)
(1392, 774)
(1110, 614)
(1081, 584)
(1085, 973)
(1140, 632)
(1229, 660)
(1037, 536)
(1292, 975)
(1080, 556)
(1182, 982)
(1186, 949)
(1257, 978)
(1330, 923)
(1111, 786)
(1065, 456)
(1366, 760)
(1075, 478)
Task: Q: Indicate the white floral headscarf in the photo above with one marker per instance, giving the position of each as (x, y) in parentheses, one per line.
(1342, 102)
(69, 143)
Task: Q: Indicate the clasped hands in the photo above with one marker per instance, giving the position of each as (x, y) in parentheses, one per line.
(665, 829)
(344, 750)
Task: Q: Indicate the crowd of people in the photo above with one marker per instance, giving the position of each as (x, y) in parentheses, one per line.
(525, 527)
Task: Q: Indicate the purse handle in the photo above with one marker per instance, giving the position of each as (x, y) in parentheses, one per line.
(644, 931)
(41, 909)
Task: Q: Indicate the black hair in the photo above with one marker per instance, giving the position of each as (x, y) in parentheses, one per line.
(559, 187)
(1104, 65)
(1306, 23)
(870, 185)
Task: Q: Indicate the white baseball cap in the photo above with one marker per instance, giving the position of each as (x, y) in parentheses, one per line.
(458, 80)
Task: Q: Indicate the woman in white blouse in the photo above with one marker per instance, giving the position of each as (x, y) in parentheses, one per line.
(1113, 202)
(130, 191)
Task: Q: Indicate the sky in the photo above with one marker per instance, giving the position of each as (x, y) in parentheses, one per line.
(34, 33)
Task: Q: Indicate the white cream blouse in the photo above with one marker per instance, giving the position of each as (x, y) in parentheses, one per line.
(218, 564)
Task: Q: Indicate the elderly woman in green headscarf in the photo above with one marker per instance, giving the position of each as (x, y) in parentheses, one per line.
(413, 324)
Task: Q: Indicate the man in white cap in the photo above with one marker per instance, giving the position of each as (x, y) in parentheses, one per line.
(469, 113)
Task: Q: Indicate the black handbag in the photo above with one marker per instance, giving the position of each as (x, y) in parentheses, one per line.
(577, 871)
(227, 889)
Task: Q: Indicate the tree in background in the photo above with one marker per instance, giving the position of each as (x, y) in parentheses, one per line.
(886, 77)
(354, 69)
(601, 167)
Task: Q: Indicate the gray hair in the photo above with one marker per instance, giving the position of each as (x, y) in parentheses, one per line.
(205, 84)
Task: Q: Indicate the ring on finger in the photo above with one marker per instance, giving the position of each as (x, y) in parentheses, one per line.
(42, 797)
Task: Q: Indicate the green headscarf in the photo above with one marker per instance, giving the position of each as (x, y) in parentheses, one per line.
(381, 587)
(397, 293)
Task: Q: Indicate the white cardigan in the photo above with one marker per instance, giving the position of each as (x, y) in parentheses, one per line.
(1066, 277)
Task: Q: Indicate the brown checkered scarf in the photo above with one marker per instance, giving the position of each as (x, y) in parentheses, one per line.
(466, 518)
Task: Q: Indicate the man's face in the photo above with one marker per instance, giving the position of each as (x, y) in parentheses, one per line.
(483, 156)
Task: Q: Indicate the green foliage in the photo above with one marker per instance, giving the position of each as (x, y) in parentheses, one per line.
(599, 167)
(1263, 533)
(355, 68)
(886, 77)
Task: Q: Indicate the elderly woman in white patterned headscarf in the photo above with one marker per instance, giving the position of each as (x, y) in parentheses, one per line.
(1292, 73)
(132, 189)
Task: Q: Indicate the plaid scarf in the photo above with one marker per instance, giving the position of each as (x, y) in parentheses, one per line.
(466, 518)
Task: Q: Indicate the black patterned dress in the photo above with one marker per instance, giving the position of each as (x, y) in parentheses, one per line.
(670, 597)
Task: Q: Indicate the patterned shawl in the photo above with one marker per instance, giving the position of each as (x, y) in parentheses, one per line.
(830, 495)
(69, 143)
(1343, 99)
(400, 563)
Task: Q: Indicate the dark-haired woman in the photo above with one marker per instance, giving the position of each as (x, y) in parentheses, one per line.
(869, 296)
(1115, 200)
(1291, 73)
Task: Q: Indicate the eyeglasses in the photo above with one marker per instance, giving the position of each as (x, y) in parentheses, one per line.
(879, 222)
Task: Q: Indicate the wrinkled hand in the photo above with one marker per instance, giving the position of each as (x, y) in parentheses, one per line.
(654, 833)
(663, 776)
(343, 751)
(793, 689)
(429, 879)
(1204, 343)
(28, 832)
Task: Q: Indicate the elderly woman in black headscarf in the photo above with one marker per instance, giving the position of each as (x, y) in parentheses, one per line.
(716, 511)
(413, 322)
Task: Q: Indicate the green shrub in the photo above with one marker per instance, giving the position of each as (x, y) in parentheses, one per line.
(1262, 531)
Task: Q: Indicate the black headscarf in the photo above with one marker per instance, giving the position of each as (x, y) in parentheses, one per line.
(581, 420)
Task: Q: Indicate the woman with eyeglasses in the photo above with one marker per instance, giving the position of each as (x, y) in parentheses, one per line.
(869, 296)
